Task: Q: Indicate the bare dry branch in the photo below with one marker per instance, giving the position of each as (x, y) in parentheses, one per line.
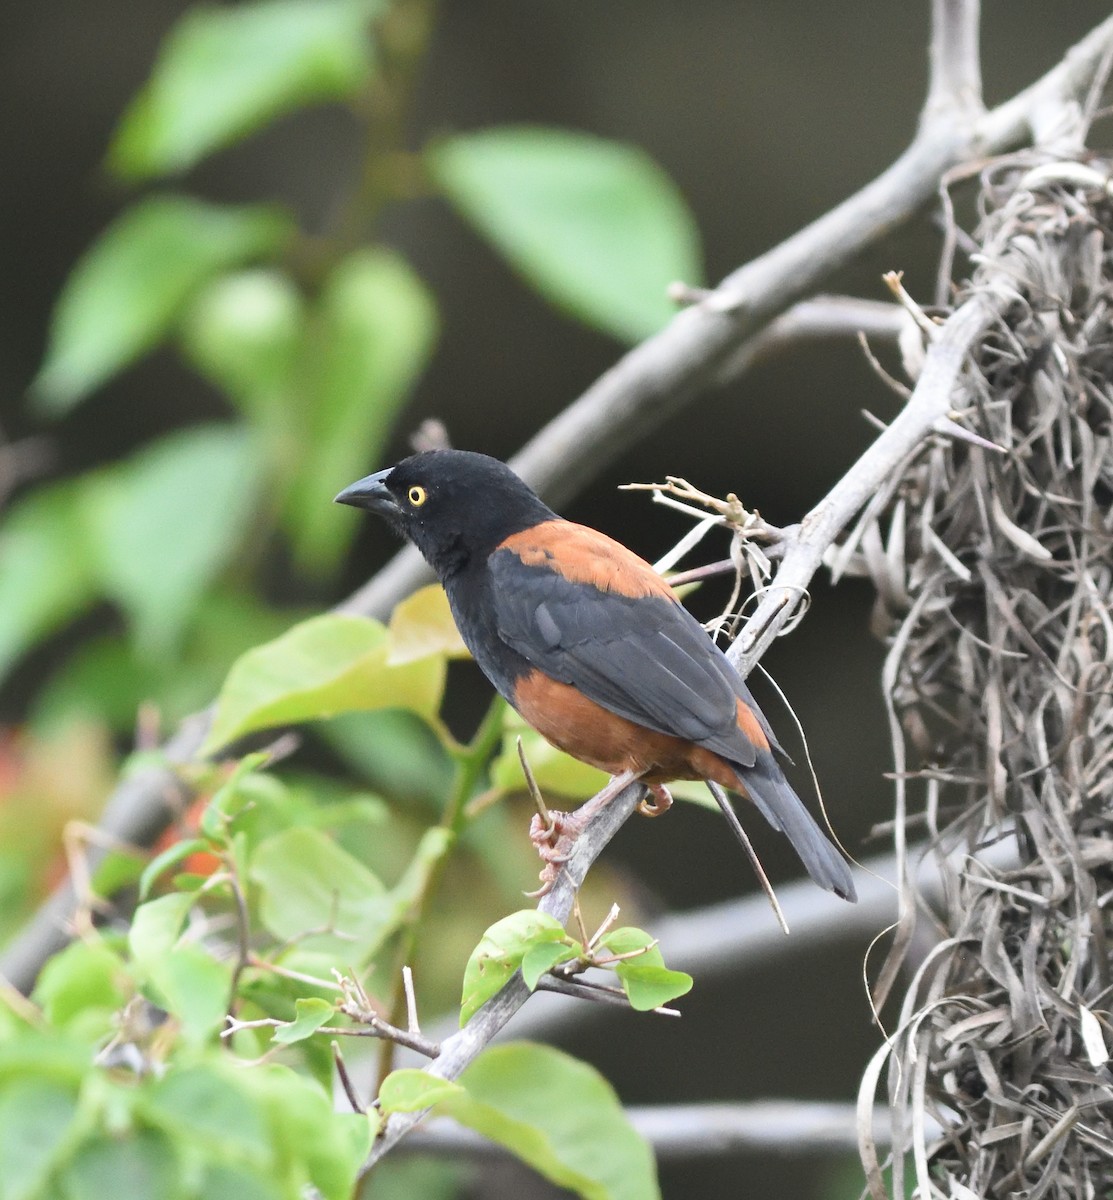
(931, 399)
(955, 83)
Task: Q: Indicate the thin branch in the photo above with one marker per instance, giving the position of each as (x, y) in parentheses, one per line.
(956, 74)
(709, 942)
(373, 1026)
(683, 1132)
(626, 404)
(930, 400)
(345, 1079)
(412, 1023)
(243, 938)
(593, 993)
(818, 319)
(720, 939)
(1012, 122)
(462, 1047)
(357, 1006)
(743, 839)
(703, 344)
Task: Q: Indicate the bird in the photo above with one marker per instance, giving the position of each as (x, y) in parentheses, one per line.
(589, 643)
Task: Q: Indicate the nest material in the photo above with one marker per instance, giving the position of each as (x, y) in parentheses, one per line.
(997, 595)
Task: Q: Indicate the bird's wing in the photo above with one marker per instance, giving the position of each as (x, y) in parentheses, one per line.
(588, 612)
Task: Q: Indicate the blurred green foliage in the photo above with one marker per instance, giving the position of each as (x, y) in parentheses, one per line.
(185, 1051)
(192, 1044)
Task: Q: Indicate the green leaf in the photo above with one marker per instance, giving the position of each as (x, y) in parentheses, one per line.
(500, 953)
(314, 1144)
(108, 676)
(557, 1114)
(232, 1183)
(244, 331)
(224, 72)
(238, 792)
(554, 771)
(324, 666)
(36, 1123)
(258, 805)
(370, 337)
(194, 986)
(86, 975)
(205, 1106)
(627, 939)
(423, 624)
(170, 857)
(168, 520)
(395, 751)
(541, 958)
(228, 623)
(103, 675)
(562, 1117)
(399, 1178)
(156, 927)
(434, 845)
(46, 571)
(648, 987)
(44, 1055)
(306, 881)
(136, 279)
(595, 226)
(118, 869)
(410, 1090)
(191, 984)
(647, 982)
(312, 1013)
(140, 1165)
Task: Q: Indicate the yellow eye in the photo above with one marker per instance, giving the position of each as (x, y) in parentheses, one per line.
(417, 496)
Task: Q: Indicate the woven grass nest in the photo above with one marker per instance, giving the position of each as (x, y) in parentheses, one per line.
(995, 583)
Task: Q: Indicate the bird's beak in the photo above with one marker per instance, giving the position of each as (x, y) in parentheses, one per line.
(372, 494)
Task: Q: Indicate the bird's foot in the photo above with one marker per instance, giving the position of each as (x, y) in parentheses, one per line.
(555, 833)
(661, 802)
(554, 840)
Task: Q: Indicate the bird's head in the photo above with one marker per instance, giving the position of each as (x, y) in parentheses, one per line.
(454, 505)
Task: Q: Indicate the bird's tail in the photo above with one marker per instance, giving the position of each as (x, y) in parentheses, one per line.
(771, 792)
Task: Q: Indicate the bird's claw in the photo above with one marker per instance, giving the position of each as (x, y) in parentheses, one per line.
(554, 840)
(548, 877)
(661, 802)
